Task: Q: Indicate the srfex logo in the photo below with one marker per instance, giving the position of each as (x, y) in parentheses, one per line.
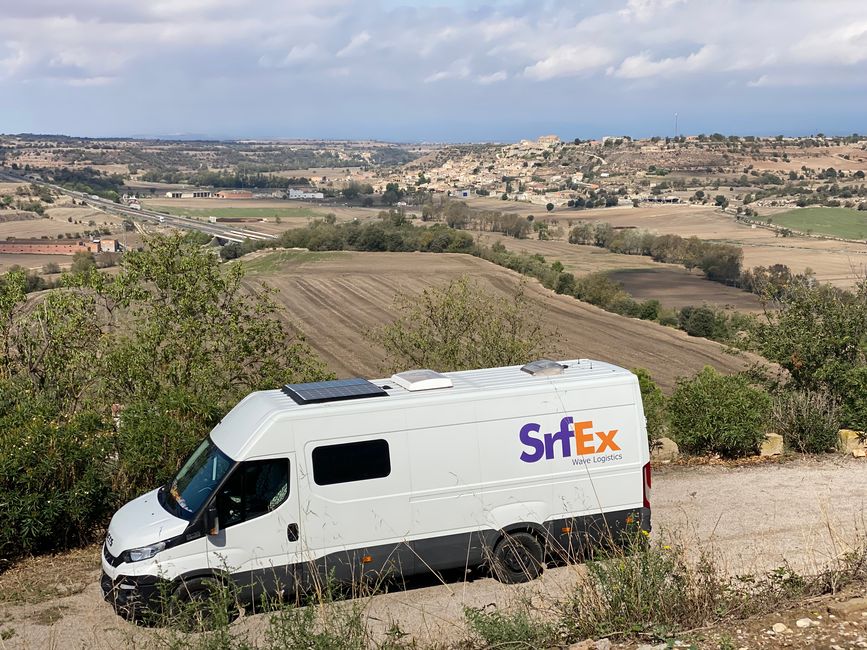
(581, 432)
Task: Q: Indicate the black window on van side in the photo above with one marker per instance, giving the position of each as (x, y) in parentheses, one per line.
(255, 488)
(352, 461)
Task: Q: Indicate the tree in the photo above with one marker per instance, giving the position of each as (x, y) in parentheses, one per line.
(461, 326)
(721, 201)
(83, 262)
(549, 207)
(392, 194)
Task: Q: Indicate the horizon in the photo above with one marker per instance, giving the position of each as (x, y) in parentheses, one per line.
(199, 137)
(425, 71)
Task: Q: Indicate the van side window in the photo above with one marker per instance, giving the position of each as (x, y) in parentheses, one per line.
(353, 461)
(255, 488)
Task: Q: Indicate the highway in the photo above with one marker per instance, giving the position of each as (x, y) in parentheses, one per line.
(224, 233)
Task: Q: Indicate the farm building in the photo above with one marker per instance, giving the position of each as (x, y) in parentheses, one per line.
(195, 194)
(47, 247)
(301, 194)
(234, 194)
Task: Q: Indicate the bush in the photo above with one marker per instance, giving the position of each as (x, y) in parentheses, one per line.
(657, 590)
(491, 628)
(654, 407)
(809, 421)
(854, 398)
(697, 321)
(718, 414)
(53, 487)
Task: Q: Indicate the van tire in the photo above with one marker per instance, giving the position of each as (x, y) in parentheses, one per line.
(518, 557)
(192, 604)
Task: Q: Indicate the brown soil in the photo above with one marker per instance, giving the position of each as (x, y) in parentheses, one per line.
(678, 288)
(335, 298)
(805, 511)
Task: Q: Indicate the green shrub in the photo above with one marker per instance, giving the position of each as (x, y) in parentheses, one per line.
(809, 421)
(649, 591)
(718, 414)
(697, 321)
(598, 289)
(521, 628)
(155, 437)
(854, 398)
(649, 310)
(53, 484)
(654, 407)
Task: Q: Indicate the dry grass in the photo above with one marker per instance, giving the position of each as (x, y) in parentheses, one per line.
(48, 577)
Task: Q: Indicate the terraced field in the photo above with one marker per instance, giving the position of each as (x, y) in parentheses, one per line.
(336, 298)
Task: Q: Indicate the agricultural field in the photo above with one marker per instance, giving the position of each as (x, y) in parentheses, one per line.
(219, 210)
(676, 288)
(32, 262)
(836, 222)
(838, 263)
(292, 214)
(335, 298)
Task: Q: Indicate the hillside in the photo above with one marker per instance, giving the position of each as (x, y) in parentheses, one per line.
(336, 297)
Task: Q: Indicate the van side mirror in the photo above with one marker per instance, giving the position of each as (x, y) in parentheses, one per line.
(212, 521)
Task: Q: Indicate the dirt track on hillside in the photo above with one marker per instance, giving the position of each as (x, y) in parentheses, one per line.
(756, 517)
(339, 296)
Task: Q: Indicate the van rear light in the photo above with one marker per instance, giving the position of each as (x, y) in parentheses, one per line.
(647, 485)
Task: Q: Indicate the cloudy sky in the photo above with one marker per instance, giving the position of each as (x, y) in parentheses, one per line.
(443, 70)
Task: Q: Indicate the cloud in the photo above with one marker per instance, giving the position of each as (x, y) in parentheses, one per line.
(642, 65)
(402, 50)
(492, 78)
(568, 61)
(459, 69)
(355, 44)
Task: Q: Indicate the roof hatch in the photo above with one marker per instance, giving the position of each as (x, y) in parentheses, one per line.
(318, 392)
(414, 380)
(544, 368)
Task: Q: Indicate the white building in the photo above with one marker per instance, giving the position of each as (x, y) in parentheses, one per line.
(301, 194)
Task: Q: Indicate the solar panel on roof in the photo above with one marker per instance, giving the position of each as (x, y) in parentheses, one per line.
(332, 391)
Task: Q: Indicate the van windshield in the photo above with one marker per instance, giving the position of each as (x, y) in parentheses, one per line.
(198, 478)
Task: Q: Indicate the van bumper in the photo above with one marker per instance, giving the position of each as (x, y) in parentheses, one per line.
(581, 535)
(130, 596)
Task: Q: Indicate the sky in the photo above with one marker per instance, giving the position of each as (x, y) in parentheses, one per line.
(428, 70)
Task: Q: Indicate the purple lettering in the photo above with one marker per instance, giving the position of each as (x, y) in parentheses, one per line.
(535, 444)
(563, 436)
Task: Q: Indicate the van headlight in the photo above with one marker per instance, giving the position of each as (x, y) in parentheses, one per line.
(145, 552)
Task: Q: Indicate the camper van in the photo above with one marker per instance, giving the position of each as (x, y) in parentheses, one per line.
(421, 472)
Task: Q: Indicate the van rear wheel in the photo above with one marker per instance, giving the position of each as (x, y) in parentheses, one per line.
(518, 557)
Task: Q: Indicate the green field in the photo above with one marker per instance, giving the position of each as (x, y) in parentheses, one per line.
(837, 222)
(274, 261)
(256, 213)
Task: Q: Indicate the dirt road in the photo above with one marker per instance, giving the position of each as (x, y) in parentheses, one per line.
(803, 512)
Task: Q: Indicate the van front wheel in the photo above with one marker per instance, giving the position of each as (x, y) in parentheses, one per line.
(518, 557)
(200, 604)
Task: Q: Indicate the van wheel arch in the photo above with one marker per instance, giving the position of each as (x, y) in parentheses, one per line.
(198, 587)
(518, 554)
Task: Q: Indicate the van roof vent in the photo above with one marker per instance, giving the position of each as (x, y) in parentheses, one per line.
(414, 380)
(544, 368)
(318, 392)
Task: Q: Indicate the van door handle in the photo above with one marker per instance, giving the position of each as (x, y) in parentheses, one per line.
(292, 532)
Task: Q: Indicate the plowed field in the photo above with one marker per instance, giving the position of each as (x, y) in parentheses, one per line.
(335, 298)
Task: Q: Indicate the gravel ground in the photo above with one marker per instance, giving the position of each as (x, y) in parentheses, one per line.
(803, 512)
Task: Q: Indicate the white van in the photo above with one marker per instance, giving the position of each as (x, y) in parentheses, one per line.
(420, 472)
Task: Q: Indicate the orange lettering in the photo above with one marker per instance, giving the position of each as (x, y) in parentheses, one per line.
(607, 441)
(581, 438)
